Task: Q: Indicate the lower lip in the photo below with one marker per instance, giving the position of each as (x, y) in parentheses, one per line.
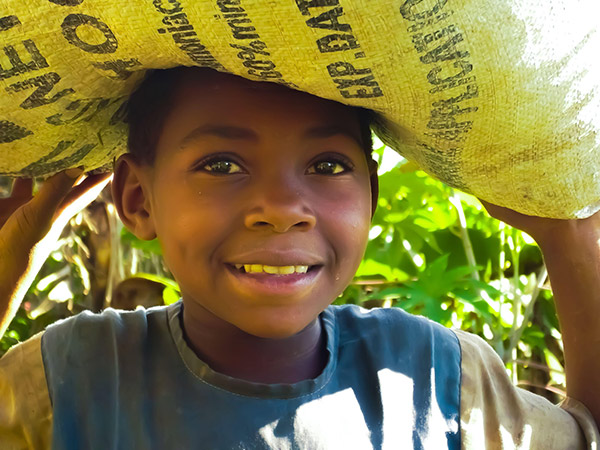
(274, 285)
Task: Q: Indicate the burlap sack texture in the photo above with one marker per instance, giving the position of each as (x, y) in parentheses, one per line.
(499, 98)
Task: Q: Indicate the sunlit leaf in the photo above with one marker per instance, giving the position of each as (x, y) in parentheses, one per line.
(170, 295)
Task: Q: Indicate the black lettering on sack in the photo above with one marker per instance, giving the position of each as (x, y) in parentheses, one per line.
(471, 91)
(176, 7)
(443, 164)
(181, 37)
(176, 20)
(44, 165)
(242, 32)
(456, 135)
(230, 6)
(418, 26)
(443, 116)
(343, 83)
(261, 68)
(66, 2)
(329, 21)
(303, 5)
(267, 74)
(254, 55)
(184, 35)
(446, 51)
(421, 41)
(260, 65)
(8, 22)
(61, 147)
(120, 67)
(452, 84)
(249, 50)
(465, 67)
(352, 78)
(84, 110)
(18, 66)
(234, 14)
(43, 84)
(74, 21)
(353, 85)
(341, 69)
(337, 43)
(179, 30)
(438, 46)
(120, 115)
(409, 12)
(10, 132)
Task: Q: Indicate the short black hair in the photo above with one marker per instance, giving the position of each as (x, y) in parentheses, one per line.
(149, 105)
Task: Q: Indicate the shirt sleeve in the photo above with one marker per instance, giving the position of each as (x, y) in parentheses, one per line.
(25, 410)
(497, 415)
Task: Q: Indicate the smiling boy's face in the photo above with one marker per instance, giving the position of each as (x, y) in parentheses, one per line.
(251, 178)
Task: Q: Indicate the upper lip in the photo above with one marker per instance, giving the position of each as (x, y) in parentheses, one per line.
(276, 258)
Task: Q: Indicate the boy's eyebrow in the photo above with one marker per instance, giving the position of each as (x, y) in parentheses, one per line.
(240, 133)
(327, 131)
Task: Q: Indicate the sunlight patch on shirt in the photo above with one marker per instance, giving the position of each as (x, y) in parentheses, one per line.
(508, 441)
(398, 411)
(430, 435)
(319, 424)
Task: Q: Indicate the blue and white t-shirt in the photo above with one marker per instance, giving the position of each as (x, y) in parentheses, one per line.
(128, 380)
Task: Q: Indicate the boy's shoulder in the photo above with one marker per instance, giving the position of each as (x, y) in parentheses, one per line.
(386, 322)
(391, 337)
(109, 322)
(111, 327)
(82, 326)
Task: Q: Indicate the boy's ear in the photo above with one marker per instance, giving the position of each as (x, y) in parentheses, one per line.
(373, 166)
(130, 194)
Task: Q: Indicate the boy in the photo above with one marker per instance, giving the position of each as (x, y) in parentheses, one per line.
(262, 198)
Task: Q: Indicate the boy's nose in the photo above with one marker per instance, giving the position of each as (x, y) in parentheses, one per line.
(280, 208)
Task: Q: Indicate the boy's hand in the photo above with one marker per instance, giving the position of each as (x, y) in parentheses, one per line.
(27, 220)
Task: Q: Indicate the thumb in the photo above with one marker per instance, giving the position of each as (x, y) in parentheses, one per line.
(38, 214)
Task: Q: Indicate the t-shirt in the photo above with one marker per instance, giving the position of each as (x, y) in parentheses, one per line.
(128, 380)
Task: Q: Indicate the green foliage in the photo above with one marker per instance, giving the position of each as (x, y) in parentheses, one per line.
(152, 247)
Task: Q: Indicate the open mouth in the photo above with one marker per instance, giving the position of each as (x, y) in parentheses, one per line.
(273, 270)
(281, 282)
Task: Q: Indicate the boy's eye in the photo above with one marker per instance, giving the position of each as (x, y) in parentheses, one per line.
(221, 166)
(329, 167)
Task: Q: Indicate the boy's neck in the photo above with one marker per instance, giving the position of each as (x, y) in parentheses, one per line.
(233, 352)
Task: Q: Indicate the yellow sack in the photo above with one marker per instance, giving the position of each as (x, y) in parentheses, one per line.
(499, 98)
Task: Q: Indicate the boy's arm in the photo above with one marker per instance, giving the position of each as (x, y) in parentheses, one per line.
(571, 250)
(29, 224)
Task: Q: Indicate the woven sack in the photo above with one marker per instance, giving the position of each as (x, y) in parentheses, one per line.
(499, 98)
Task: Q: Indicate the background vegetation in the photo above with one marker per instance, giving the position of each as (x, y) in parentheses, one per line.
(432, 251)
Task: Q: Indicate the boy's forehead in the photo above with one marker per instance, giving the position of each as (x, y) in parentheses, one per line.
(217, 102)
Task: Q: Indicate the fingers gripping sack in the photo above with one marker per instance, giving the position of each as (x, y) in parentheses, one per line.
(499, 98)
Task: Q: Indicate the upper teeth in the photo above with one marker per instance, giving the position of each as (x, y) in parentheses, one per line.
(261, 268)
